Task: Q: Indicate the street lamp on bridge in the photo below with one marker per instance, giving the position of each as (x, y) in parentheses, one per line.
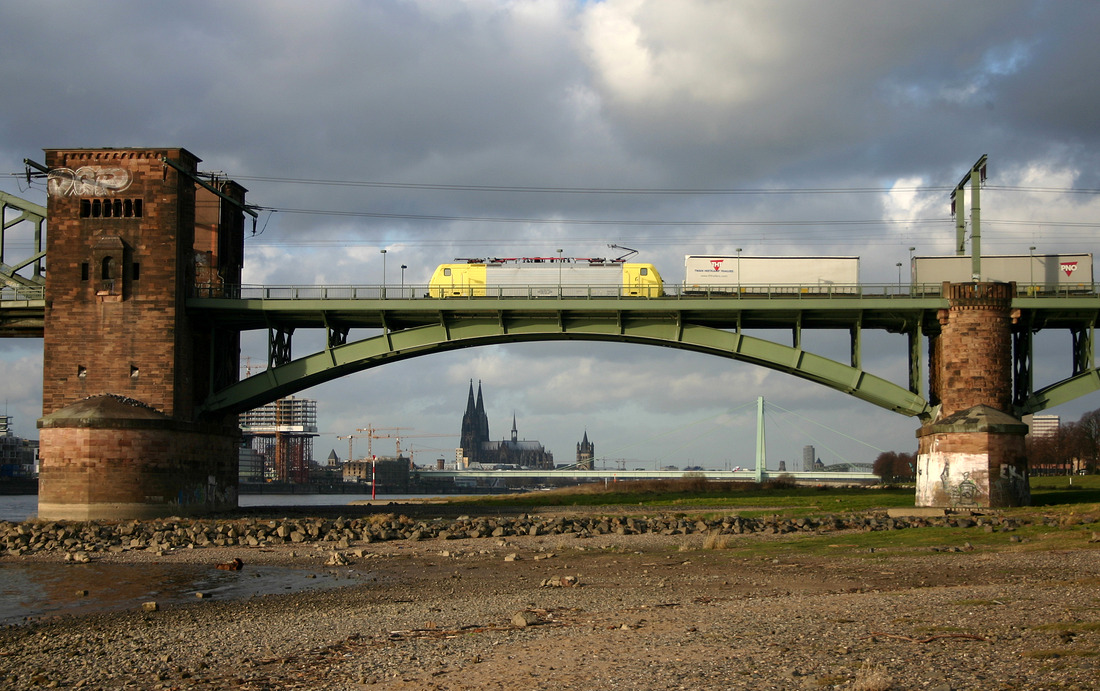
(559, 272)
(738, 272)
(383, 252)
(1031, 269)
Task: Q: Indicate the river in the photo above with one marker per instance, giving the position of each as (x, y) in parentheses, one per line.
(37, 590)
(21, 507)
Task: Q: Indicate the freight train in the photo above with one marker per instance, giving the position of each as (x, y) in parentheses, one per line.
(732, 274)
(545, 277)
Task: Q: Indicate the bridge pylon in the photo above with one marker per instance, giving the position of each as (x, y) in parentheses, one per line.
(972, 453)
(132, 232)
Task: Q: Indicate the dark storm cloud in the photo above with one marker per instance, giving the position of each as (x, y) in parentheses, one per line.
(618, 94)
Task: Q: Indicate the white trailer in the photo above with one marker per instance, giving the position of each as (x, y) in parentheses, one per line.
(1032, 273)
(733, 274)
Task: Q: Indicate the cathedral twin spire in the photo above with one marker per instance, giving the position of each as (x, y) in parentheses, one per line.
(475, 425)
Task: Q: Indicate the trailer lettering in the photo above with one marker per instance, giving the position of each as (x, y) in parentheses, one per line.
(716, 264)
(1069, 267)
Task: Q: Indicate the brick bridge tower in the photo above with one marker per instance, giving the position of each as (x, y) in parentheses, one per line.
(972, 454)
(132, 233)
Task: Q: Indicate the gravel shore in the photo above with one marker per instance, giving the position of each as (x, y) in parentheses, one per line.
(590, 610)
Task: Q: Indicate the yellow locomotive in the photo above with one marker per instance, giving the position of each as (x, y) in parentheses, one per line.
(545, 277)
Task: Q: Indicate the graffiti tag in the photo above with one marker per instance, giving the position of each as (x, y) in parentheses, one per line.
(87, 181)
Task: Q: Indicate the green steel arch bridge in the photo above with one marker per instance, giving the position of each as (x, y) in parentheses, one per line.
(369, 326)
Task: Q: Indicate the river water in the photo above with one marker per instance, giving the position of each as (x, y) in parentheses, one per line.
(36, 590)
(20, 507)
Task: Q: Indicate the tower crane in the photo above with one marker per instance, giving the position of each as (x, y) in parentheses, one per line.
(371, 435)
(351, 439)
(417, 436)
(397, 436)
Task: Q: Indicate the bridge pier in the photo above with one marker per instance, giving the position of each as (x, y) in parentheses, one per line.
(972, 454)
(131, 233)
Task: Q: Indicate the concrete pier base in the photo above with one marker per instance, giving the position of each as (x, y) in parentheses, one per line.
(974, 458)
(110, 457)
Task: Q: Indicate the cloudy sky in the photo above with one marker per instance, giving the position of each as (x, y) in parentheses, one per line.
(777, 126)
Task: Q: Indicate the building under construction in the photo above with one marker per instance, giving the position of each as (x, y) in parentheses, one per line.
(282, 432)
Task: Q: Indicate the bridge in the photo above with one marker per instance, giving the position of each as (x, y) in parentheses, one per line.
(153, 276)
(402, 322)
(799, 476)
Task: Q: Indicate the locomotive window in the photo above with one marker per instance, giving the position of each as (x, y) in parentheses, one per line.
(446, 272)
(644, 271)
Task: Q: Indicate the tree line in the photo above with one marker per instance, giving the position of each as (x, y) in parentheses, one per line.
(1073, 448)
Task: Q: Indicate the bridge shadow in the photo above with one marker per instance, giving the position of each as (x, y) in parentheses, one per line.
(1065, 496)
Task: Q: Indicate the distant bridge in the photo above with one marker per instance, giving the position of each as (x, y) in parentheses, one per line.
(807, 477)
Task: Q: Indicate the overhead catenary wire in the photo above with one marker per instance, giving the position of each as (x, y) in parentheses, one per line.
(617, 452)
(825, 427)
(777, 227)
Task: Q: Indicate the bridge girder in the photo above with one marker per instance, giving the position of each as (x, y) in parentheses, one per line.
(446, 335)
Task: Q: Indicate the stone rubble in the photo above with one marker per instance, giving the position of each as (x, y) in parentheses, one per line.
(592, 602)
(79, 540)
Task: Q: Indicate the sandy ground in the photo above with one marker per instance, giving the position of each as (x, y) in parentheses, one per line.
(607, 612)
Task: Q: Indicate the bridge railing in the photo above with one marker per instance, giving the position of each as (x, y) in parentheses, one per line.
(597, 292)
(21, 293)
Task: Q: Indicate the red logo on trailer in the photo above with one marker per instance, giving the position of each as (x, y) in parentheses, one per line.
(716, 264)
(1069, 267)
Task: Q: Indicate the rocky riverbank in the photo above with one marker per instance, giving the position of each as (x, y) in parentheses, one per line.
(585, 601)
(80, 540)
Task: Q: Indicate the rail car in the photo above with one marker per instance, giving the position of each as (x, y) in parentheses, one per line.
(710, 274)
(1033, 273)
(545, 277)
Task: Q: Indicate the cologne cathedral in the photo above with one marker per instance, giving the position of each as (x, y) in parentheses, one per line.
(478, 449)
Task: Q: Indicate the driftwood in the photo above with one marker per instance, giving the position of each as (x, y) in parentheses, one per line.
(234, 565)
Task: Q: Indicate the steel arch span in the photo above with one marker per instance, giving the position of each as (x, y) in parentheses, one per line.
(392, 346)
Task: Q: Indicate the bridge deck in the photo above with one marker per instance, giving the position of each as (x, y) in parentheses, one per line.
(889, 308)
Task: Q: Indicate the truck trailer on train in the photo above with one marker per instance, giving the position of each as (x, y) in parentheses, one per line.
(1035, 273)
(708, 273)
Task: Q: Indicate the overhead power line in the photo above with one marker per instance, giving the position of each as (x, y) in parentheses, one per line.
(591, 190)
(597, 222)
(534, 189)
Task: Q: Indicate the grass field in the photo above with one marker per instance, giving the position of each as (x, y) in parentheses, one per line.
(1063, 515)
(1050, 495)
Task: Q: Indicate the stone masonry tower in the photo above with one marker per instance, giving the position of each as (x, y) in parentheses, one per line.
(972, 454)
(132, 234)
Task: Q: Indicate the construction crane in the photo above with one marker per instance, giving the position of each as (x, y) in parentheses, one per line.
(413, 451)
(417, 436)
(371, 434)
(351, 439)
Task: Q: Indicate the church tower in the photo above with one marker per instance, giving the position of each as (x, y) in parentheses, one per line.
(481, 417)
(475, 427)
(468, 435)
(586, 452)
